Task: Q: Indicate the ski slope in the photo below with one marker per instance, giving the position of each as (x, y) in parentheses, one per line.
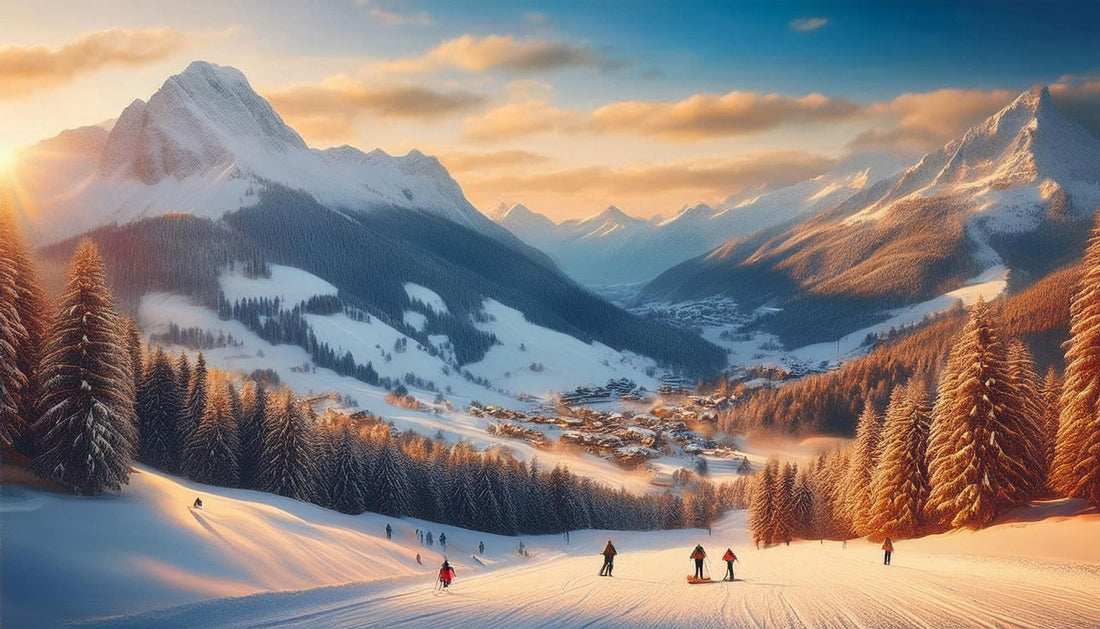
(144, 559)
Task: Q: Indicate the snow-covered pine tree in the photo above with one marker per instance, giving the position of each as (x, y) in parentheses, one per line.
(346, 481)
(159, 408)
(899, 487)
(782, 524)
(861, 466)
(13, 337)
(25, 314)
(762, 506)
(490, 515)
(389, 482)
(288, 464)
(211, 455)
(1026, 422)
(1052, 407)
(88, 426)
(970, 474)
(133, 348)
(805, 524)
(194, 405)
(252, 428)
(183, 372)
(1076, 468)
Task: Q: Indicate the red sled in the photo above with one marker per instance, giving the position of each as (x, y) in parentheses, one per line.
(693, 580)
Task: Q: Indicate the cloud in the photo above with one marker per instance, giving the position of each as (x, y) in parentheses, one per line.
(470, 162)
(704, 116)
(1079, 98)
(925, 121)
(27, 69)
(329, 110)
(518, 119)
(535, 17)
(711, 177)
(807, 24)
(480, 54)
(389, 18)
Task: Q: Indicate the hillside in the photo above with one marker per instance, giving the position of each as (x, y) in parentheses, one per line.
(247, 559)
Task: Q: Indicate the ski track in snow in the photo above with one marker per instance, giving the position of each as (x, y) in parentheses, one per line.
(804, 585)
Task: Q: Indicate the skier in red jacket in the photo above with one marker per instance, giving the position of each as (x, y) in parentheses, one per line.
(446, 573)
(888, 549)
(729, 558)
(608, 553)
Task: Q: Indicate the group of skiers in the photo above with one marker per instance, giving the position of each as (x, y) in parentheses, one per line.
(424, 537)
(699, 554)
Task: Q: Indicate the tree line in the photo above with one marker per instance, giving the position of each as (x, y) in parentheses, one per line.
(994, 437)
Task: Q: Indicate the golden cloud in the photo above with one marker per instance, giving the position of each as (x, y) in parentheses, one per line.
(390, 18)
(27, 69)
(480, 54)
(928, 120)
(330, 109)
(704, 116)
(519, 119)
(1079, 98)
(711, 177)
(470, 162)
(807, 24)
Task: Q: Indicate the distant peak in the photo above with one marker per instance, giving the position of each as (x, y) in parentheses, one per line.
(612, 214)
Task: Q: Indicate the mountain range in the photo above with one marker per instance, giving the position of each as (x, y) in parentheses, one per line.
(1017, 191)
(205, 172)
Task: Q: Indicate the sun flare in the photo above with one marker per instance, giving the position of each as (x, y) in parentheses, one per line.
(7, 158)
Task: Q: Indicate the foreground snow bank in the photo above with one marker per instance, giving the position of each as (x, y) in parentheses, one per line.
(145, 559)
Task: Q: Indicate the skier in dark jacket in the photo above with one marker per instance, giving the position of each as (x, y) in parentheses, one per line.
(389, 531)
(608, 553)
(699, 555)
(443, 541)
(729, 558)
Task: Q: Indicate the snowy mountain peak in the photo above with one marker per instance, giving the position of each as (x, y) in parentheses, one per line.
(611, 215)
(206, 117)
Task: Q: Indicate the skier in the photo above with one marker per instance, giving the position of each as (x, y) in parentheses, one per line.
(446, 573)
(729, 558)
(418, 559)
(389, 531)
(608, 553)
(698, 555)
(443, 541)
(428, 538)
(481, 548)
(887, 547)
(197, 504)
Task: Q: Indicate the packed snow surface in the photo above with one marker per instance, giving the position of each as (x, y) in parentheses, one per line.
(144, 558)
(291, 285)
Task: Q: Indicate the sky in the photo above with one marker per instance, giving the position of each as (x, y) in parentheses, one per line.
(568, 107)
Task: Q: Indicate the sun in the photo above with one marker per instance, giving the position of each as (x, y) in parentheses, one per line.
(7, 158)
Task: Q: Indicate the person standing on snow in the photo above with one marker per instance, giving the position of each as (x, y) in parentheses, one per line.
(446, 573)
(608, 553)
(729, 558)
(481, 548)
(443, 541)
(698, 555)
(887, 548)
(389, 531)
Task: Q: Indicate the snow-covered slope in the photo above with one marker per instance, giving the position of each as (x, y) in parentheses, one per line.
(144, 559)
(206, 143)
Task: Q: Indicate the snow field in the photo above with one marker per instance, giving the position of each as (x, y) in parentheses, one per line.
(291, 285)
(145, 559)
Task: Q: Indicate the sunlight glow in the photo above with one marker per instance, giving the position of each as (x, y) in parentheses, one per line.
(7, 158)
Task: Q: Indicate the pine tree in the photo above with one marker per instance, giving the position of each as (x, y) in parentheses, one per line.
(1052, 407)
(211, 455)
(782, 523)
(159, 408)
(1026, 425)
(288, 467)
(762, 506)
(346, 480)
(970, 475)
(805, 523)
(1076, 468)
(252, 429)
(389, 482)
(133, 348)
(88, 423)
(857, 484)
(899, 487)
(194, 404)
(25, 314)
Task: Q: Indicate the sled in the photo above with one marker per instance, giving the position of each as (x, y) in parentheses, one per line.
(693, 580)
